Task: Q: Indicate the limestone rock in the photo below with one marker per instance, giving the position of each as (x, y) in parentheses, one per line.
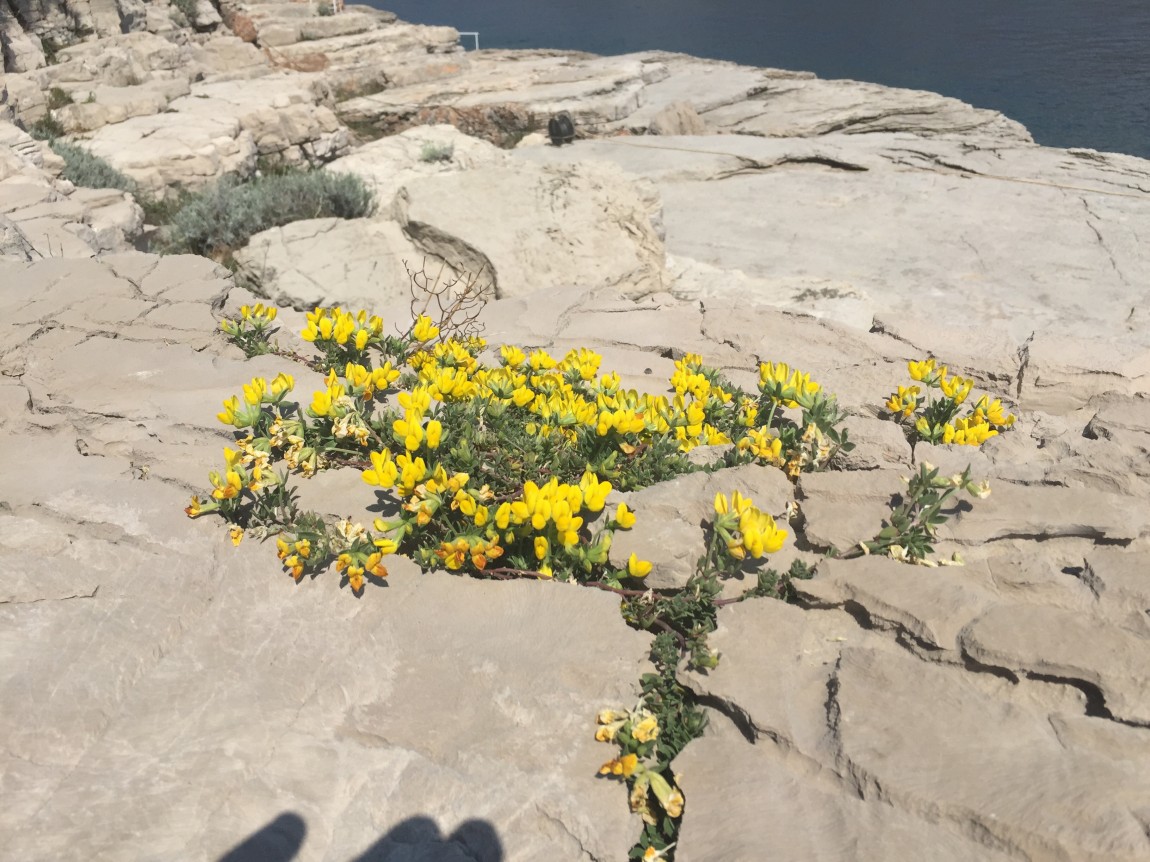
(115, 104)
(527, 239)
(357, 264)
(926, 607)
(843, 509)
(1048, 512)
(796, 107)
(678, 118)
(181, 150)
(1069, 646)
(278, 111)
(767, 807)
(390, 163)
(13, 243)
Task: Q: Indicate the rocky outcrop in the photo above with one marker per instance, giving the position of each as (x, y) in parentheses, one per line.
(48, 217)
(172, 696)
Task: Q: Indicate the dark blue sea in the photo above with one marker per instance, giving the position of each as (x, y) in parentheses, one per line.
(1076, 73)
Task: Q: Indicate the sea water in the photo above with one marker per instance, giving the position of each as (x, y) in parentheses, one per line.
(1076, 73)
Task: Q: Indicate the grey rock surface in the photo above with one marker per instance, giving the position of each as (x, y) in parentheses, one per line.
(214, 677)
(170, 696)
(578, 226)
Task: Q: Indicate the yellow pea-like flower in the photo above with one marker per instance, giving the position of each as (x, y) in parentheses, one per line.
(424, 329)
(624, 517)
(637, 568)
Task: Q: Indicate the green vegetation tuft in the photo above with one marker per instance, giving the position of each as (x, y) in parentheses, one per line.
(58, 98)
(83, 168)
(433, 152)
(225, 216)
(47, 128)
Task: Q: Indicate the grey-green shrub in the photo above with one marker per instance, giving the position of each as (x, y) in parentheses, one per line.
(224, 217)
(433, 152)
(83, 168)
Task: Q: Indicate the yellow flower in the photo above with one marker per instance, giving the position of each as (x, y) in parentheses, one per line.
(254, 391)
(646, 730)
(956, 388)
(237, 535)
(434, 433)
(594, 492)
(231, 408)
(282, 384)
(424, 329)
(622, 766)
(637, 568)
(542, 548)
(229, 488)
(624, 517)
(920, 370)
(384, 471)
(512, 356)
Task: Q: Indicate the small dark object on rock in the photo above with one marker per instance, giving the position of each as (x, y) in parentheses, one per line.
(561, 129)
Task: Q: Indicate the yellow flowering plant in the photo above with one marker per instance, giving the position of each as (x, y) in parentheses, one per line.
(654, 793)
(912, 526)
(930, 407)
(252, 330)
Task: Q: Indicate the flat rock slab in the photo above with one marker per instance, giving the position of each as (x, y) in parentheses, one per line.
(929, 608)
(847, 741)
(1067, 645)
(185, 150)
(388, 164)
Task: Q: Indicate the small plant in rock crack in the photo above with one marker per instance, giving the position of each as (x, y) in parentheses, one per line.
(935, 418)
(652, 735)
(912, 526)
(649, 737)
(433, 152)
(251, 331)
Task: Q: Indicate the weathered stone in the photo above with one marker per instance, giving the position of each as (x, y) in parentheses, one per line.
(755, 802)
(1068, 646)
(1121, 581)
(388, 164)
(358, 263)
(1081, 808)
(524, 242)
(1016, 511)
(679, 118)
(182, 150)
(878, 444)
(843, 509)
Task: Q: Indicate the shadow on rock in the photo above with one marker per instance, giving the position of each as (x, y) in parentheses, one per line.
(278, 841)
(418, 839)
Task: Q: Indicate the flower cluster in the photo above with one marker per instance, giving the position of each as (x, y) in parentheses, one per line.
(357, 553)
(809, 444)
(744, 529)
(935, 418)
(635, 731)
(502, 467)
(251, 330)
